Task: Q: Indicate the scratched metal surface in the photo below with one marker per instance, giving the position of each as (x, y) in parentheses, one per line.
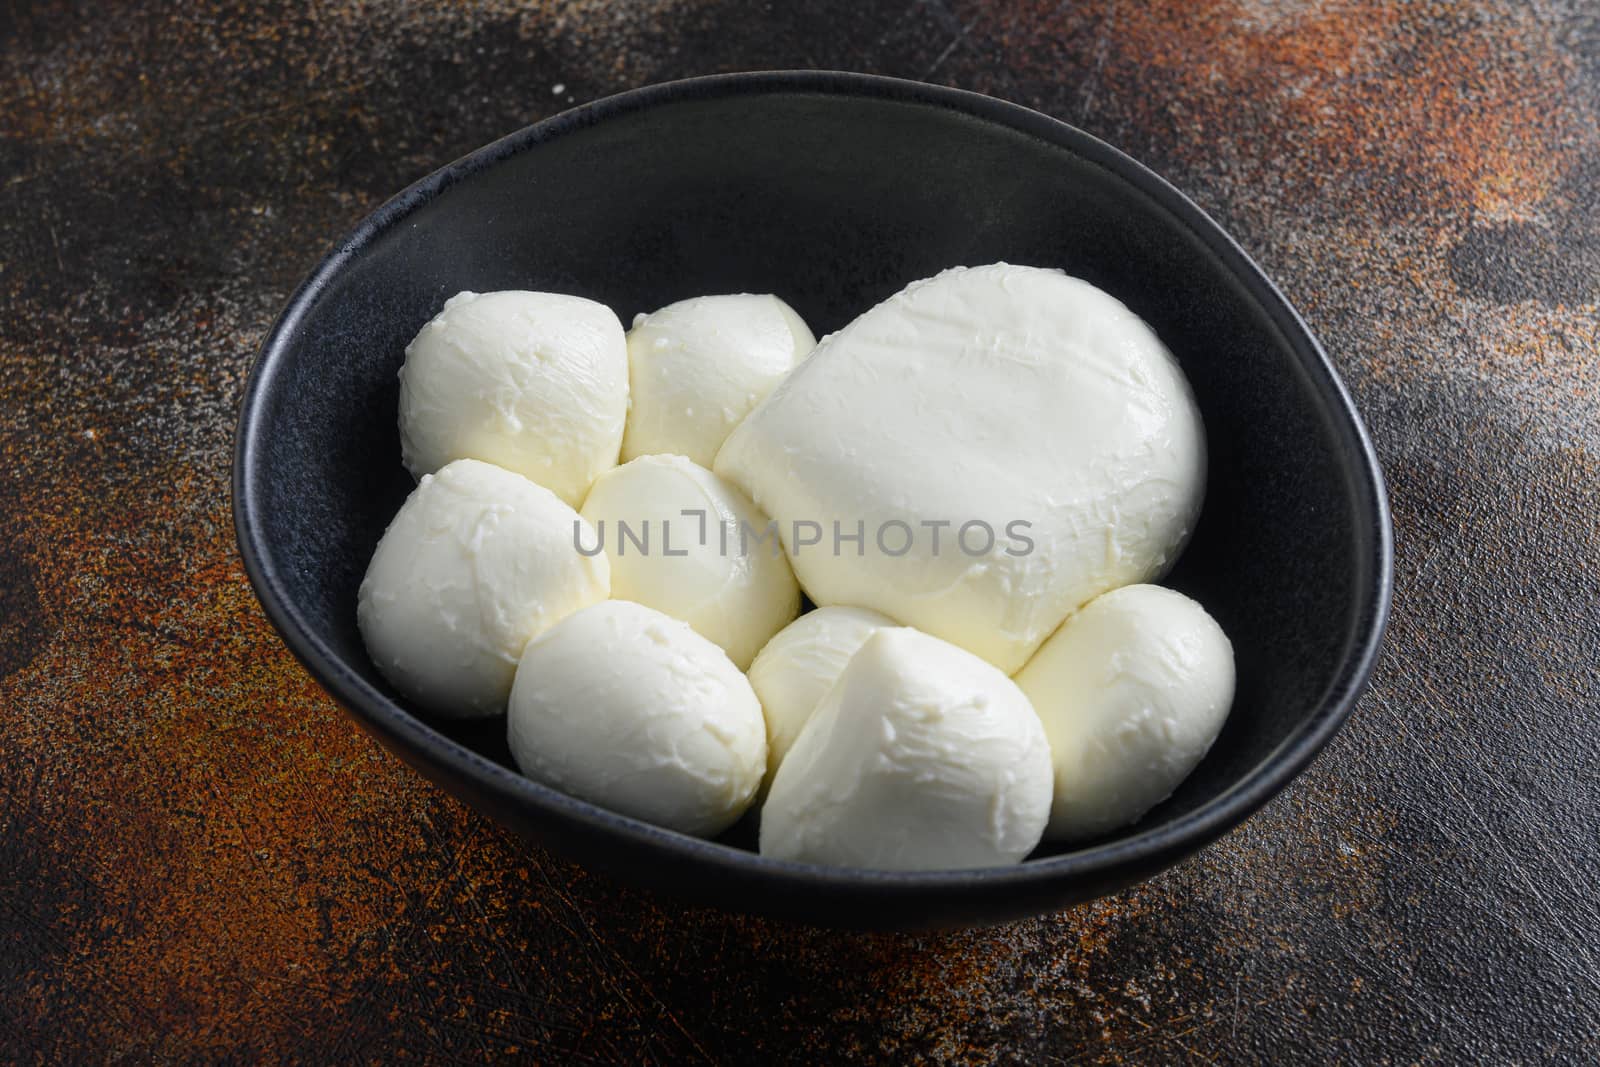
(201, 857)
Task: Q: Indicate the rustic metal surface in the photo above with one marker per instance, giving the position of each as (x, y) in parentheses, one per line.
(200, 856)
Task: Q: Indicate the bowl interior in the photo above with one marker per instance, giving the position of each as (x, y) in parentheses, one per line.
(834, 199)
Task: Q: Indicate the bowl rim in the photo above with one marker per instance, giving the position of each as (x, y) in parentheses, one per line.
(1099, 868)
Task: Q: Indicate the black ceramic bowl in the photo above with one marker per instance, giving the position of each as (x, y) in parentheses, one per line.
(833, 191)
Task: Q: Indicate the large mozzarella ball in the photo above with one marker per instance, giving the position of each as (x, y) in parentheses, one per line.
(1132, 691)
(673, 532)
(634, 711)
(796, 669)
(921, 757)
(478, 561)
(1012, 441)
(697, 367)
(536, 383)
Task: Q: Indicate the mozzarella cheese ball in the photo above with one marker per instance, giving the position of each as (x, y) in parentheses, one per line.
(697, 367)
(625, 707)
(796, 669)
(921, 757)
(1013, 441)
(1132, 691)
(478, 561)
(672, 531)
(536, 383)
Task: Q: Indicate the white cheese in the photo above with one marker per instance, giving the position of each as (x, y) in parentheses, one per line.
(921, 757)
(536, 383)
(697, 367)
(629, 709)
(672, 530)
(999, 395)
(796, 669)
(478, 561)
(1132, 691)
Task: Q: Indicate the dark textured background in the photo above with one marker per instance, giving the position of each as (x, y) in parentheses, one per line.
(201, 857)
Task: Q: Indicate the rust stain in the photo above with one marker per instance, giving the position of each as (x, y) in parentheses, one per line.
(1459, 107)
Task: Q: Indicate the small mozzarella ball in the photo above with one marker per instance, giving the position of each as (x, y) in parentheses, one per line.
(672, 531)
(477, 562)
(797, 668)
(921, 757)
(699, 366)
(632, 710)
(1132, 691)
(536, 383)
